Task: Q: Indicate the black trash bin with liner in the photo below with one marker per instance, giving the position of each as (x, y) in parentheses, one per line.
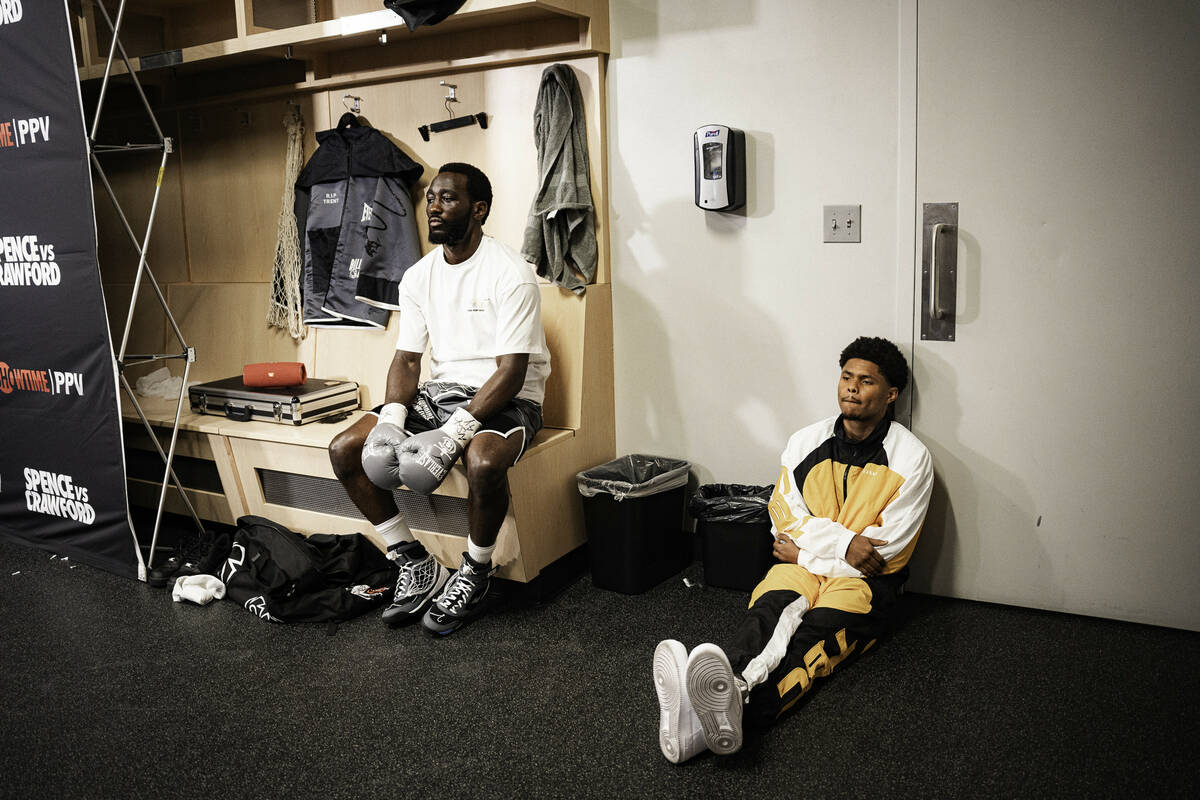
(633, 509)
(734, 529)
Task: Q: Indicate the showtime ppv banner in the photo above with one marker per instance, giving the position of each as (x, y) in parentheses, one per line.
(62, 473)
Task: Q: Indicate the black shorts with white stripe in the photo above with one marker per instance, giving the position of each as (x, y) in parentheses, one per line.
(436, 402)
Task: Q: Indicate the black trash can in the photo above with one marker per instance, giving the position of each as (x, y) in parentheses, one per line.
(633, 510)
(734, 529)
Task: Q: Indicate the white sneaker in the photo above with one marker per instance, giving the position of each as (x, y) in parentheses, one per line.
(679, 733)
(716, 698)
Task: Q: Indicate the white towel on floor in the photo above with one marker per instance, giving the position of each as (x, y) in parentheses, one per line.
(199, 589)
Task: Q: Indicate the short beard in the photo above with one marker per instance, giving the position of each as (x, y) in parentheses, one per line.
(450, 233)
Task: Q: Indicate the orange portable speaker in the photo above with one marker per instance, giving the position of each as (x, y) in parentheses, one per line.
(274, 373)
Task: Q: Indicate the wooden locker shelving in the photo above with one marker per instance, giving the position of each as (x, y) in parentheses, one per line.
(213, 48)
(228, 75)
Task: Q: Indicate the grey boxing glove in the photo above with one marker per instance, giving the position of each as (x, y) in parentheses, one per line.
(426, 458)
(381, 448)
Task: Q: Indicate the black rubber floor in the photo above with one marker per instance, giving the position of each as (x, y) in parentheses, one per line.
(111, 690)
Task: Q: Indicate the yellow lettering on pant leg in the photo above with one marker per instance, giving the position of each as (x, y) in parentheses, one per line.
(816, 661)
(817, 664)
(797, 677)
(844, 650)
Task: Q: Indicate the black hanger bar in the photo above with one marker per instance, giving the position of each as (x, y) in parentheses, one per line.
(451, 124)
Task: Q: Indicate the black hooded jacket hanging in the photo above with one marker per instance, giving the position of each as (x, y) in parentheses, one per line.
(358, 232)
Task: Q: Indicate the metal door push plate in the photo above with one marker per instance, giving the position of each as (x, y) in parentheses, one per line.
(939, 271)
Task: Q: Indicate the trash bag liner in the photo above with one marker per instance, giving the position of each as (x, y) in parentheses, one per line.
(731, 502)
(633, 476)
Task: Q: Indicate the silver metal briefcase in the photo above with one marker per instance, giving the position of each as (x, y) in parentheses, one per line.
(312, 400)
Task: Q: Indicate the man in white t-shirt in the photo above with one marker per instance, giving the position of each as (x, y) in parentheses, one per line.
(476, 305)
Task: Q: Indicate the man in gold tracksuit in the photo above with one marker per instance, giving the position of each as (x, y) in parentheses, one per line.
(845, 513)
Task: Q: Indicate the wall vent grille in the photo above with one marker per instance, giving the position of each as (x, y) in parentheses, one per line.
(436, 513)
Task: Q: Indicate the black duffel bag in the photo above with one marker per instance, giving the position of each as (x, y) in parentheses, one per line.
(282, 576)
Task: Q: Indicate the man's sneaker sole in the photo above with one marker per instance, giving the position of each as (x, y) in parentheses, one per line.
(398, 615)
(437, 629)
(448, 624)
(462, 602)
(674, 710)
(715, 698)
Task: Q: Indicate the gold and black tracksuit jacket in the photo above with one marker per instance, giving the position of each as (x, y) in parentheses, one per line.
(831, 488)
(807, 618)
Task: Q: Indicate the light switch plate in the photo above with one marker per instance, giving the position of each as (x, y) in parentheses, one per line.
(842, 223)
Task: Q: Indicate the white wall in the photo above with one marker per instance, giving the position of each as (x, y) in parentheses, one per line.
(728, 326)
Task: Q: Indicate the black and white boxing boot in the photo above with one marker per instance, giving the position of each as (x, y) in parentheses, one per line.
(461, 599)
(421, 578)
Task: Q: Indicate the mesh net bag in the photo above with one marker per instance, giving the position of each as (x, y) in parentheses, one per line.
(286, 309)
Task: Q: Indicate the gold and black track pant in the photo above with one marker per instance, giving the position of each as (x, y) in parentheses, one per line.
(843, 619)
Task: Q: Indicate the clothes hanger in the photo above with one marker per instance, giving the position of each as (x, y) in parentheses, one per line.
(453, 122)
(350, 119)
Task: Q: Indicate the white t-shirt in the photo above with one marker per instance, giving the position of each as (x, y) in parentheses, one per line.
(470, 313)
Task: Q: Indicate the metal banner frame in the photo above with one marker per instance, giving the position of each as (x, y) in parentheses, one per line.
(185, 353)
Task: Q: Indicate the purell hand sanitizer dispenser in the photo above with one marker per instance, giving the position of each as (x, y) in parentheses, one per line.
(720, 168)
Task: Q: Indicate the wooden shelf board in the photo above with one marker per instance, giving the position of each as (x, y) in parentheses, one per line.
(352, 32)
(161, 413)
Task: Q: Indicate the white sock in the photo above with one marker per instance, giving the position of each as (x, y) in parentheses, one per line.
(480, 555)
(395, 531)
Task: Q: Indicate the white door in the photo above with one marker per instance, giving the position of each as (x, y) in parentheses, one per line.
(1064, 417)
